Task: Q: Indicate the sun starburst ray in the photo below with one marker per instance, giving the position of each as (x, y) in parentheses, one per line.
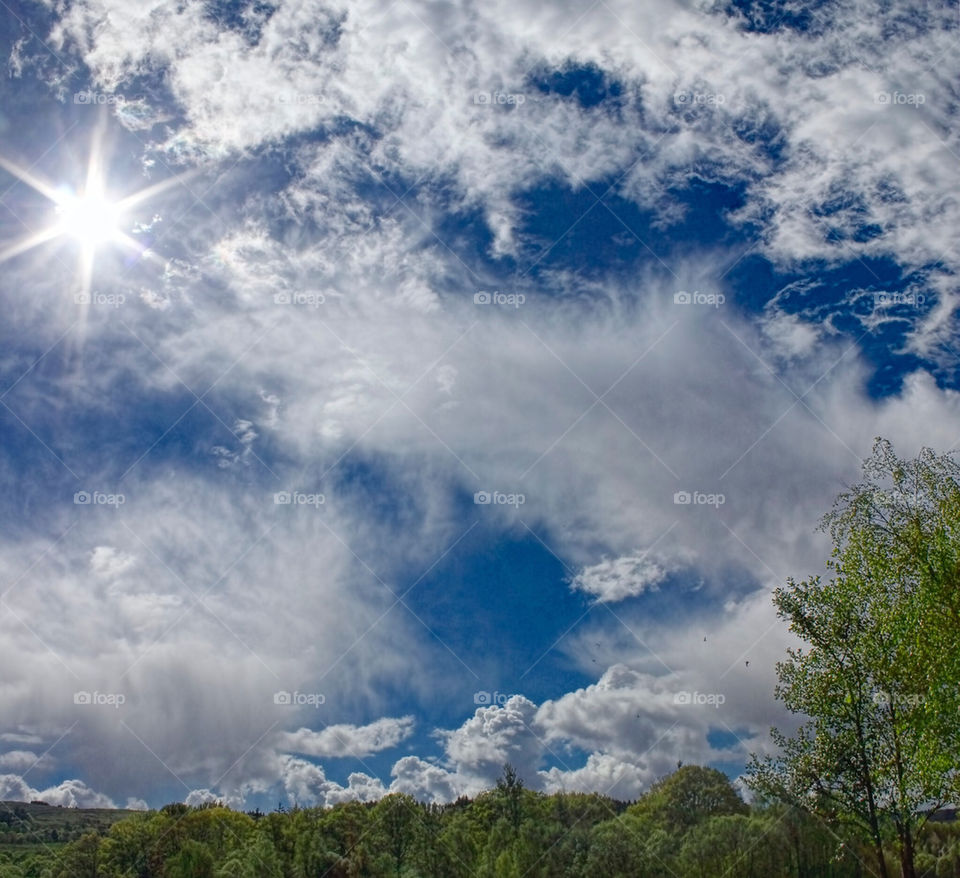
(88, 215)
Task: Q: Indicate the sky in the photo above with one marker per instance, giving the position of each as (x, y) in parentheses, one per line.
(393, 390)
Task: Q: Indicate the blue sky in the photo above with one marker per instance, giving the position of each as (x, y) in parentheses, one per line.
(650, 279)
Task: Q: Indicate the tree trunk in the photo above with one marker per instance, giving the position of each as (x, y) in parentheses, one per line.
(906, 856)
(881, 860)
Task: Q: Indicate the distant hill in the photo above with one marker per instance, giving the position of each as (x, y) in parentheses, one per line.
(37, 823)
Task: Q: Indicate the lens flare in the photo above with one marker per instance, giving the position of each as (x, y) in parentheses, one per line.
(91, 219)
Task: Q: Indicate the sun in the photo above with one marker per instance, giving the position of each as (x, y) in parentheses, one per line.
(91, 218)
(86, 214)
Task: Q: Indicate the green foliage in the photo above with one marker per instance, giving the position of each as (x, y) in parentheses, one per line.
(82, 858)
(878, 679)
(691, 824)
(397, 829)
(193, 860)
(48, 826)
(689, 796)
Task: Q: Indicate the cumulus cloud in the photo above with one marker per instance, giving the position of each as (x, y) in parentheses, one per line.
(602, 773)
(67, 794)
(196, 798)
(19, 760)
(343, 739)
(619, 578)
(475, 753)
(307, 784)
(425, 781)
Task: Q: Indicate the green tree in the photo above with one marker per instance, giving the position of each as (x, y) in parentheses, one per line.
(736, 844)
(510, 794)
(397, 828)
(219, 829)
(82, 858)
(193, 860)
(346, 829)
(256, 859)
(631, 846)
(878, 677)
(689, 796)
(128, 846)
(433, 855)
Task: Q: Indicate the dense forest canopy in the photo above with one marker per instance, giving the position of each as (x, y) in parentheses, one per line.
(691, 823)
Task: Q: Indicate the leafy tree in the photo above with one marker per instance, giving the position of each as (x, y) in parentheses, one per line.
(878, 679)
(221, 830)
(346, 829)
(510, 795)
(82, 858)
(689, 796)
(193, 860)
(256, 859)
(128, 846)
(397, 828)
(631, 846)
(433, 855)
(735, 844)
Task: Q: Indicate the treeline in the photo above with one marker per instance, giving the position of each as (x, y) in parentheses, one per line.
(691, 823)
(39, 823)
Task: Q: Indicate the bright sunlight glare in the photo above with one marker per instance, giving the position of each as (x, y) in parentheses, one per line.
(90, 219)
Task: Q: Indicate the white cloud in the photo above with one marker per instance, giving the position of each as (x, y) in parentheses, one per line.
(475, 753)
(196, 798)
(425, 781)
(19, 760)
(68, 794)
(308, 785)
(602, 773)
(348, 740)
(494, 736)
(619, 578)
(107, 562)
(17, 738)
(625, 713)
